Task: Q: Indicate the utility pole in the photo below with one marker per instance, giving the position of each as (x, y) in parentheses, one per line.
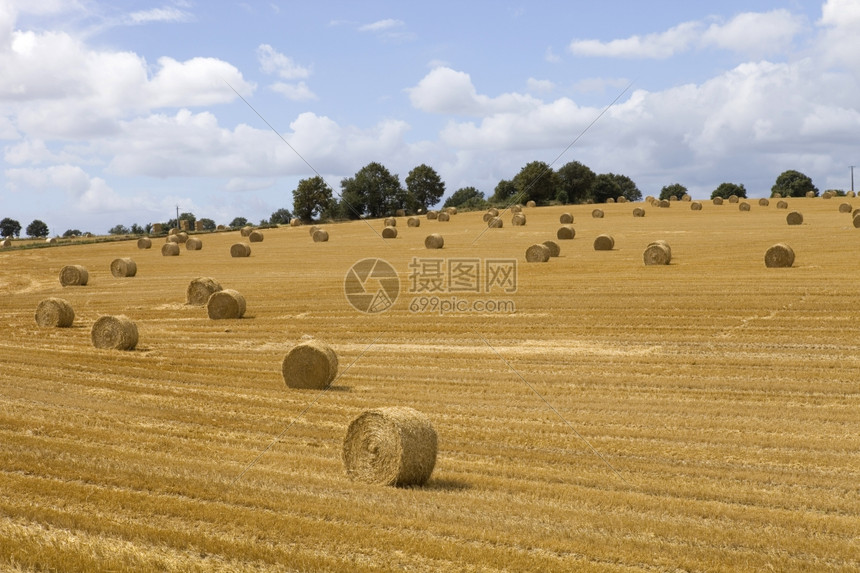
(177, 217)
(852, 178)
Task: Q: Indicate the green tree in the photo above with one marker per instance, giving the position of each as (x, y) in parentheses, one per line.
(466, 197)
(281, 217)
(137, 229)
(793, 183)
(119, 230)
(628, 188)
(238, 222)
(311, 198)
(536, 182)
(172, 224)
(674, 190)
(726, 190)
(505, 191)
(10, 228)
(72, 233)
(37, 229)
(425, 186)
(605, 187)
(207, 224)
(575, 181)
(373, 192)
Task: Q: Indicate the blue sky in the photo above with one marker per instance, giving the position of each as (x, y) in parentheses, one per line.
(114, 113)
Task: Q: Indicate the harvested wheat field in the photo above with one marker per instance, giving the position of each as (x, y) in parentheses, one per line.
(698, 416)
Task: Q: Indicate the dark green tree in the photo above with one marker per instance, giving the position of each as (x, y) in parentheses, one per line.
(137, 229)
(793, 183)
(311, 198)
(465, 198)
(373, 192)
(72, 233)
(536, 182)
(281, 217)
(10, 228)
(119, 230)
(207, 224)
(37, 229)
(575, 180)
(238, 222)
(726, 190)
(674, 190)
(628, 188)
(425, 186)
(605, 187)
(505, 191)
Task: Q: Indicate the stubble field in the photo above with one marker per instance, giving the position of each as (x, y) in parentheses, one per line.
(700, 416)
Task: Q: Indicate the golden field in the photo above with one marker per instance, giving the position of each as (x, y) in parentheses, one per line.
(700, 416)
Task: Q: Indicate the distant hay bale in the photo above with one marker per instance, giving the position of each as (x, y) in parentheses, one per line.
(432, 215)
(828, 195)
(657, 253)
(495, 223)
(389, 233)
(776, 195)
(649, 198)
(246, 230)
(157, 228)
(225, 304)
(537, 253)
(320, 236)
(240, 250)
(734, 198)
(554, 248)
(597, 214)
(781, 205)
(434, 241)
(610, 200)
(312, 229)
(413, 222)
(193, 244)
(794, 218)
(451, 210)
(531, 204)
(123, 267)
(144, 243)
(400, 213)
(493, 211)
(763, 202)
(115, 333)
(638, 212)
(686, 198)
(673, 197)
(850, 194)
(443, 217)
(390, 222)
(664, 203)
(718, 200)
(695, 206)
(621, 199)
(845, 208)
(173, 231)
(744, 206)
(487, 217)
(200, 289)
(310, 365)
(565, 233)
(255, 237)
(810, 194)
(172, 239)
(295, 222)
(856, 221)
(604, 243)
(182, 236)
(6, 243)
(517, 208)
(74, 275)
(565, 219)
(392, 446)
(55, 312)
(518, 220)
(779, 256)
(170, 249)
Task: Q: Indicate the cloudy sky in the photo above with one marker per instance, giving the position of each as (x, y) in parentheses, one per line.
(115, 113)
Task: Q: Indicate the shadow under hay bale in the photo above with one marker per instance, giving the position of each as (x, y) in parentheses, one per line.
(779, 256)
(200, 289)
(554, 248)
(55, 312)
(565, 219)
(74, 275)
(537, 253)
(597, 214)
(310, 365)
(565, 233)
(320, 236)
(238, 250)
(170, 249)
(115, 333)
(794, 218)
(123, 267)
(390, 446)
(604, 243)
(226, 304)
(657, 253)
(434, 241)
(389, 233)
(193, 244)
(144, 243)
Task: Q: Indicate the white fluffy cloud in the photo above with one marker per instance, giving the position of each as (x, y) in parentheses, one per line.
(448, 91)
(662, 45)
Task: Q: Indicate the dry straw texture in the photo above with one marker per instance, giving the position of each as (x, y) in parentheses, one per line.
(193, 244)
(517, 208)
(845, 208)
(200, 289)
(114, 332)
(856, 221)
(695, 206)
(389, 233)
(144, 243)
(443, 216)
(312, 229)
(621, 199)
(638, 212)
(764, 202)
(123, 267)
(434, 241)
(256, 237)
(565, 232)
(246, 231)
(518, 220)
(55, 312)
(240, 250)
(664, 203)
(610, 200)
(810, 194)
(390, 446)
(597, 213)
(451, 210)
(182, 236)
(310, 365)
(225, 304)
(554, 248)
(686, 197)
(673, 198)
(531, 204)
(170, 249)
(778, 256)
(390, 222)
(295, 222)
(537, 253)
(172, 239)
(794, 218)
(718, 200)
(413, 222)
(657, 253)
(74, 275)
(493, 212)
(432, 215)
(744, 206)
(604, 243)
(6, 243)
(781, 205)
(487, 217)
(320, 236)
(495, 223)
(565, 219)
(733, 198)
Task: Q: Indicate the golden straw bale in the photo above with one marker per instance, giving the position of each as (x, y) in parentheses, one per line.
(413, 222)
(794, 218)
(200, 289)
(193, 244)
(565, 232)
(114, 332)
(240, 250)
(695, 206)
(320, 236)
(604, 243)
(518, 220)
(389, 233)
(55, 312)
(225, 304)
(537, 253)
(657, 253)
(311, 364)
(144, 243)
(779, 255)
(597, 214)
(554, 248)
(565, 219)
(495, 223)
(255, 237)
(123, 267)
(434, 241)
(74, 275)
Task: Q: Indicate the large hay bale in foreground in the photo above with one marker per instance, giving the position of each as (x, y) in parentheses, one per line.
(657, 253)
(310, 365)
(778, 256)
(518, 220)
(781, 205)
(695, 206)
(74, 275)
(225, 304)
(193, 244)
(123, 267)
(565, 233)
(240, 250)
(565, 219)
(413, 222)
(794, 218)
(434, 241)
(604, 243)
(744, 206)
(114, 332)
(200, 289)
(390, 222)
(390, 446)
(597, 214)
(144, 243)
(389, 233)
(255, 237)
(638, 212)
(537, 253)
(170, 249)
(495, 223)
(443, 217)
(55, 312)
(718, 200)
(845, 208)
(554, 248)
(320, 236)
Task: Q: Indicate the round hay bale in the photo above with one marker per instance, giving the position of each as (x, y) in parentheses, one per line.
(182, 236)
(554, 248)
(610, 200)
(144, 243)
(240, 250)
(665, 203)
(718, 200)
(173, 231)
(565, 219)
(744, 206)
(531, 204)
(390, 222)
(255, 237)
(845, 208)
(537, 253)
(781, 205)
(170, 249)
(597, 214)
(172, 239)
(763, 202)
(451, 210)
(6, 243)
(518, 220)
(389, 233)
(221, 228)
(55, 312)
(74, 275)
(246, 230)
(225, 304)
(310, 365)
(114, 332)
(734, 199)
(390, 446)
(855, 212)
(794, 218)
(810, 194)
(193, 244)
(294, 222)
(443, 217)
(686, 198)
(200, 289)
(513, 208)
(673, 198)
(657, 253)
(400, 213)
(604, 243)
(565, 233)
(413, 222)
(638, 212)
(434, 241)
(828, 195)
(779, 256)
(621, 199)
(495, 223)
(487, 217)
(850, 194)
(312, 229)
(123, 267)
(856, 221)
(432, 215)
(494, 212)
(320, 236)
(695, 206)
